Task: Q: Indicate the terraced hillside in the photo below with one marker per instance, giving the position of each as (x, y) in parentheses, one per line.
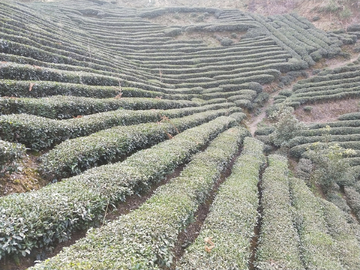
(139, 127)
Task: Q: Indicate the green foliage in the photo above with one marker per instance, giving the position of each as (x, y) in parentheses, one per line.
(38, 218)
(39, 133)
(330, 165)
(286, 126)
(144, 238)
(278, 246)
(320, 248)
(71, 157)
(65, 107)
(232, 217)
(9, 154)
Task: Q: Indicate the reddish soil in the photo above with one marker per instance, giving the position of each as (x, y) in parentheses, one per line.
(327, 112)
(25, 179)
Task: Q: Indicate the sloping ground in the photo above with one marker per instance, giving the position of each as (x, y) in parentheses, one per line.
(114, 102)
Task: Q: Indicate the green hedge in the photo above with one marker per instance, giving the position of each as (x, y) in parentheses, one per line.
(299, 140)
(318, 249)
(144, 238)
(349, 116)
(232, 217)
(228, 95)
(74, 156)
(298, 150)
(64, 107)
(9, 154)
(278, 246)
(37, 219)
(40, 133)
(11, 88)
(343, 233)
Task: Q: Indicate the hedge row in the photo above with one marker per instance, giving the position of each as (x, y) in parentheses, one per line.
(328, 79)
(282, 40)
(342, 94)
(37, 219)
(74, 156)
(327, 85)
(278, 246)
(232, 217)
(332, 131)
(10, 47)
(39, 133)
(300, 140)
(144, 238)
(226, 72)
(344, 123)
(228, 95)
(318, 249)
(65, 107)
(353, 199)
(260, 78)
(44, 89)
(205, 61)
(349, 116)
(298, 150)
(342, 232)
(12, 71)
(213, 69)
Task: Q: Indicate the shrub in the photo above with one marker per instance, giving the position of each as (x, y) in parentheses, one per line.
(330, 165)
(279, 241)
(319, 249)
(286, 126)
(38, 218)
(71, 157)
(307, 109)
(145, 237)
(231, 228)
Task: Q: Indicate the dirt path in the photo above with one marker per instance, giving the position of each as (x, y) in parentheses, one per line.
(257, 119)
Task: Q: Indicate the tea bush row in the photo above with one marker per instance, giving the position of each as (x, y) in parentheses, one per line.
(323, 246)
(39, 133)
(37, 219)
(278, 245)
(73, 156)
(65, 107)
(144, 238)
(232, 217)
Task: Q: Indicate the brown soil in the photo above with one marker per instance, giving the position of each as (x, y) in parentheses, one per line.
(183, 19)
(211, 39)
(327, 112)
(25, 179)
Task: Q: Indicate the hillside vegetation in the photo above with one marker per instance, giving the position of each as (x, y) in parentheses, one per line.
(167, 132)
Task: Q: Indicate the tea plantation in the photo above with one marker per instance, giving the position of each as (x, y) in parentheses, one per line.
(119, 109)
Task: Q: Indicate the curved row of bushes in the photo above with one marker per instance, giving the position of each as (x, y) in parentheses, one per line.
(37, 219)
(39, 132)
(65, 107)
(73, 156)
(144, 238)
